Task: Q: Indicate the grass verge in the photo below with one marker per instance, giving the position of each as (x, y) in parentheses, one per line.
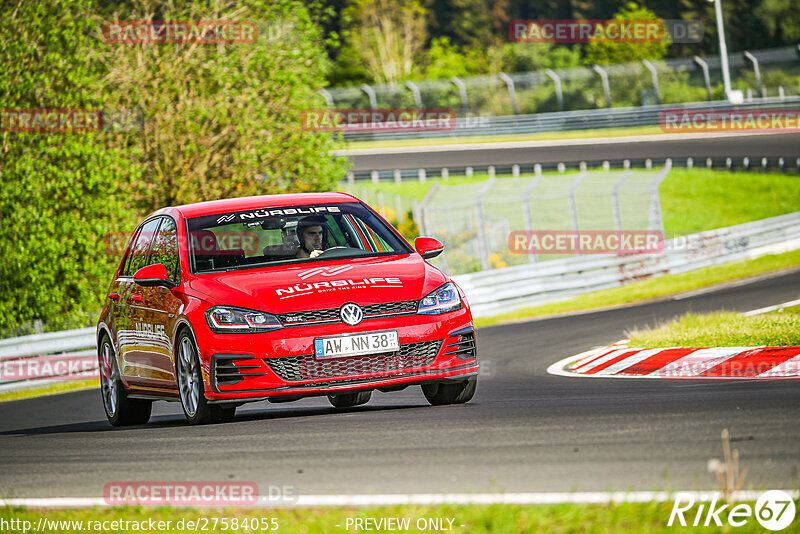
(51, 389)
(722, 329)
(654, 287)
(544, 136)
(556, 518)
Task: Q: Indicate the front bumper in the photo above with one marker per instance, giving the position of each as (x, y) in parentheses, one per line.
(245, 367)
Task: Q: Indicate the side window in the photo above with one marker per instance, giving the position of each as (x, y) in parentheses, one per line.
(138, 255)
(165, 249)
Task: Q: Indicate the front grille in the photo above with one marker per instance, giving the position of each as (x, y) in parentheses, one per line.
(308, 367)
(332, 314)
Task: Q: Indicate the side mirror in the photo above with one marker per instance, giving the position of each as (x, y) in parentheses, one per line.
(153, 275)
(428, 247)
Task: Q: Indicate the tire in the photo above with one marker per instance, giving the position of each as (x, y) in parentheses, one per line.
(120, 410)
(196, 407)
(450, 392)
(348, 400)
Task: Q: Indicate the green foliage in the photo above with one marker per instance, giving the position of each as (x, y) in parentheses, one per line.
(526, 57)
(219, 120)
(446, 60)
(607, 53)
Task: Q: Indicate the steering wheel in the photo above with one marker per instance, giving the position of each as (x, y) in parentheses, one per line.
(339, 251)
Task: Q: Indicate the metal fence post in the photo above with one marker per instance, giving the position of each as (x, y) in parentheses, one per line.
(373, 100)
(557, 83)
(706, 78)
(573, 205)
(604, 78)
(615, 200)
(483, 245)
(374, 176)
(654, 75)
(526, 206)
(420, 209)
(512, 93)
(398, 176)
(328, 97)
(757, 72)
(656, 221)
(415, 91)
(462, 92)
(398, 208)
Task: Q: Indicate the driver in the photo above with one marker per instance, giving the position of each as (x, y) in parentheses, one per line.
(312, 232)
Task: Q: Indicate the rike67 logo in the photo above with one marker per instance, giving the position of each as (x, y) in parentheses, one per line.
(774, 510)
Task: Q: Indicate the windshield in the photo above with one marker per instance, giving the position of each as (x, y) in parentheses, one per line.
(267, 236)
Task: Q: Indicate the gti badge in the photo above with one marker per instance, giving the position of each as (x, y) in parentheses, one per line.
(351, 314)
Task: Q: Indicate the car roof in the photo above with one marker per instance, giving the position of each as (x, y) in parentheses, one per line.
(227, 205)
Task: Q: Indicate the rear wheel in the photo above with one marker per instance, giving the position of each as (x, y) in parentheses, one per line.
(450, 392)
(190, 384)
(120, 410)
(348, 400)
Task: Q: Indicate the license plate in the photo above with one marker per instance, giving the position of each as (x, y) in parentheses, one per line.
(356, 344)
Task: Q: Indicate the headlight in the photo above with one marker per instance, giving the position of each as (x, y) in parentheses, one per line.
(444, 299)
(227, 319)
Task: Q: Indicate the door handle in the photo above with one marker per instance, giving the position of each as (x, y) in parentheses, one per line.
(137, 298)
(114, 296)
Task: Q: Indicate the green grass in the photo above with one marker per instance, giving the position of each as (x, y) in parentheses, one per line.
(654, 287)
(61, 387)
(578, 134)
(723, 329)
(700, 199)
(552, 519)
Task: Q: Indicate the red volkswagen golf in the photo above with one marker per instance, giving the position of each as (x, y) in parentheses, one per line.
(278, 297)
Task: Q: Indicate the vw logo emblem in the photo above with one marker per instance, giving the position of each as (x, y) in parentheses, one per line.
(351, 314)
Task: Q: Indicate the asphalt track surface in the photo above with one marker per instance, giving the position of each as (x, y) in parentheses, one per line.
(738, 146)
(525, 430)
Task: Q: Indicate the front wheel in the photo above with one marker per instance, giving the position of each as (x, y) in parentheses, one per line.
(120, 410)
(190, 384)
(450, 392)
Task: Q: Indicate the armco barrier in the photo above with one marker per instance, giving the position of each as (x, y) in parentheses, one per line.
(499, 290)
(493, 291)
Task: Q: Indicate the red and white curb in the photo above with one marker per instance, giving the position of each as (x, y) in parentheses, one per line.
(728, 363)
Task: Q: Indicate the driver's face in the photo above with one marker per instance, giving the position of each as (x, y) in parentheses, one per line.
(312, 238)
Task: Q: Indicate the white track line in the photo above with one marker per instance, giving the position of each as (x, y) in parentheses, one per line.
(768, 309)
(597, 497)
(542, 143)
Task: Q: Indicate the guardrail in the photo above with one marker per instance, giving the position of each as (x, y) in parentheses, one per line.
(66, 355)
(585, 119)
(786, 165)
(488, 292)
(493, 291)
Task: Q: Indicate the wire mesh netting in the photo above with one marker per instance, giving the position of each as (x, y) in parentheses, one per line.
(475, 221)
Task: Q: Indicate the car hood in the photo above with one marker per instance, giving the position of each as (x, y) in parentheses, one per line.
(322, 284)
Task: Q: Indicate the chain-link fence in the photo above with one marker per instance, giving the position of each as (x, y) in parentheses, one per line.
(771, 72)
(474, 221)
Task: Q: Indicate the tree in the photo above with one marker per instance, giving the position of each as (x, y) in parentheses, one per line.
(599, 52)
(218, 121)
(388, 36)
